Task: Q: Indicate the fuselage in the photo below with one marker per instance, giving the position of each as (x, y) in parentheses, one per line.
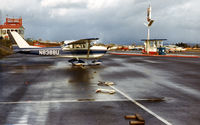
(93, 52)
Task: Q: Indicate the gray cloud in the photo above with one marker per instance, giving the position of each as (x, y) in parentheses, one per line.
(112, 21)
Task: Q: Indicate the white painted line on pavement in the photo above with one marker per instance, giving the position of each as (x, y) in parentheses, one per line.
(63, 101)
(143, 107)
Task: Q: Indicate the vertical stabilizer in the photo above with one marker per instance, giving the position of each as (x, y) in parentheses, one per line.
(19, 40)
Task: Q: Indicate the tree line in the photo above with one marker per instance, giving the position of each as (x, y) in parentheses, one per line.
(185, 45)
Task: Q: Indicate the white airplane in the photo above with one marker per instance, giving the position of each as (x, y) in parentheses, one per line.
(174, 48)
(76, 49)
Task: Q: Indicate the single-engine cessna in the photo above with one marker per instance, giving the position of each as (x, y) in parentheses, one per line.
(76, 49)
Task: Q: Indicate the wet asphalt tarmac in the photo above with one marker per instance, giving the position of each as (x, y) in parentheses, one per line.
(36, 90)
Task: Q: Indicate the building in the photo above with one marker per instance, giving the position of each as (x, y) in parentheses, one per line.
(151, 46)
(11, 24)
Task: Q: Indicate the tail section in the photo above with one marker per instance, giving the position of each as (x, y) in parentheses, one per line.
(19, 40)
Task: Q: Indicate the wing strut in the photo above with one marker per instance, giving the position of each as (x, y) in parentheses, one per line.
(88, 53)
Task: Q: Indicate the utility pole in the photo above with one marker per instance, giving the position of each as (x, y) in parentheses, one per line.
(150, 22)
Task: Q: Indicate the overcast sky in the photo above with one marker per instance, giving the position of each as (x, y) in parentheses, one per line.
(113, 21)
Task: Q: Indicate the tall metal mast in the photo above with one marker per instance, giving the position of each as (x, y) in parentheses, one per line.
(150, 22)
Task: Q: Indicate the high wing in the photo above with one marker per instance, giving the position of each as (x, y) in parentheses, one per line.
(82, 41)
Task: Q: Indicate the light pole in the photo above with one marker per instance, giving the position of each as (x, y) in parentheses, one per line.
(150, 22)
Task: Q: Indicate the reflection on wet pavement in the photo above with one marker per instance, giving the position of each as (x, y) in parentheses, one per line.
(48, 90)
